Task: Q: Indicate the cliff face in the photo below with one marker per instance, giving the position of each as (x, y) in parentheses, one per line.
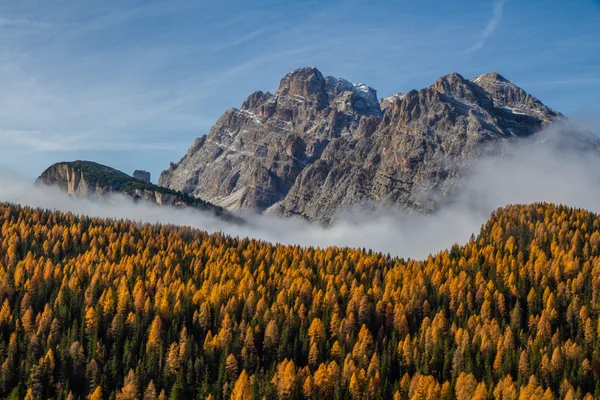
(321, 144)
(94, 181)
(74, 181)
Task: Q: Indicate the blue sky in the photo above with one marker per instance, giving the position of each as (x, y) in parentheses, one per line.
(132, 83)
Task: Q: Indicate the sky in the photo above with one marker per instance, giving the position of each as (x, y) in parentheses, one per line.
(131, 84)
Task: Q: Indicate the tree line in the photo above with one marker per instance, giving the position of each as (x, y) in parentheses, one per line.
(105, 309)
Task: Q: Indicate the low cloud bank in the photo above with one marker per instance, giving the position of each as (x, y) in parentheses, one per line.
(552, 167)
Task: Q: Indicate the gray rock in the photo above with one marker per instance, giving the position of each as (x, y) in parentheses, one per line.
(321, 145)
(143, 176)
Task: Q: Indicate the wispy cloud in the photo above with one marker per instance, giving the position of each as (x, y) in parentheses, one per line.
(30, 23)
(490, 27)
(566, 81)
(32, 140)
(531, 171)
(38, 142)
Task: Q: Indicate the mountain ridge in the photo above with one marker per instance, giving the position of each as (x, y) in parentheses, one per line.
(320, 145)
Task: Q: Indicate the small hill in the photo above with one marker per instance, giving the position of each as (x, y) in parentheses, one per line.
(91, 180)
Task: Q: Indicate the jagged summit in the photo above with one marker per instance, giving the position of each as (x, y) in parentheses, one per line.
(490, 77)
(458, 88)
(306, 83)
(362, 97)
(455, 85)
(321, 144)
(510, 97)
(309, 84)
(490, 91)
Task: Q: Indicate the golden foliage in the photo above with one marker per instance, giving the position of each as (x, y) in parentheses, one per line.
(147, 309)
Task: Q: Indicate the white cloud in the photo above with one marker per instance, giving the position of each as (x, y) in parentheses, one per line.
(28, 140)
(37, 142)
(491, 26)
(567, 81)
(540, 169)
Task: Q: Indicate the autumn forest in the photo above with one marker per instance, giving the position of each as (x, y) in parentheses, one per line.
(102, 309)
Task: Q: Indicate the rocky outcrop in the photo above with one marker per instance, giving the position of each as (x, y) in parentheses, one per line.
(94, 181)
(320, 145)
(143, 176)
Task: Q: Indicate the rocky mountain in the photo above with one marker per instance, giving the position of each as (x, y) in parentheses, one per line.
(319, 145)
(95, 181)
(143, 176)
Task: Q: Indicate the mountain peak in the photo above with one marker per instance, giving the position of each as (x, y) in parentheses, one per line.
(489, 77)
(457, 87)
(364, 101)
(322, 144)
(307, 82)
(510, 96)
(453, 76)
(446, 82)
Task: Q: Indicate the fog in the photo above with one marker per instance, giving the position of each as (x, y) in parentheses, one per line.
(553, 166)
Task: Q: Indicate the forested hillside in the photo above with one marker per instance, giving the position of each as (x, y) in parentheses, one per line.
(111, 309)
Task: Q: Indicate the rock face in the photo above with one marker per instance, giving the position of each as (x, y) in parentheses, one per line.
(321, 144)
(94, 181)
(143, 176)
